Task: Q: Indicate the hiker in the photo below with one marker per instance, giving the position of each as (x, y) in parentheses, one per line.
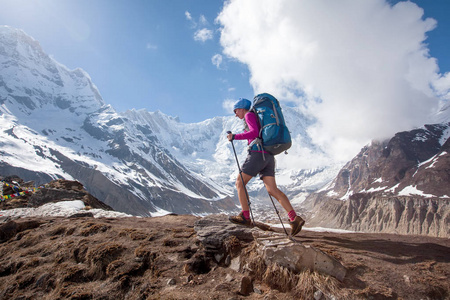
(258, 162)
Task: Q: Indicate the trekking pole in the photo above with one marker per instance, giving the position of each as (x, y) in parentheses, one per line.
(276, 210)
(242, 178)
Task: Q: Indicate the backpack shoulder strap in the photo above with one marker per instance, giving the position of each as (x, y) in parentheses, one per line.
(253, 110)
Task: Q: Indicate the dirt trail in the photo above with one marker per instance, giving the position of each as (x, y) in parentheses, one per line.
(391, 266)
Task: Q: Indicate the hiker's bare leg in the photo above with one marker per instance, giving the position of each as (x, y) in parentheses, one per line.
(241, 190)
(272, 189)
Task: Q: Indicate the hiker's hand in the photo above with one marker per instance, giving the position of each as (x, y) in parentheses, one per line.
(230, 136)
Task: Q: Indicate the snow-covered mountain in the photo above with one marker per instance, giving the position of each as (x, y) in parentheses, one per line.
(54, 123)
(204, 150)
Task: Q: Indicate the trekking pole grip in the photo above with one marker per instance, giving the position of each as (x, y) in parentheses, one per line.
(229, 132)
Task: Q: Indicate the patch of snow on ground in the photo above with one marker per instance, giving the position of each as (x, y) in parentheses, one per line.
(425, 162)
(316, 229)
(372, 190)
(412, 190)
(445, 136)
(392, 189)
(347, 195)
(379, 180)
(60, 209)
(323, 229)
(160, 212)
(332, 194)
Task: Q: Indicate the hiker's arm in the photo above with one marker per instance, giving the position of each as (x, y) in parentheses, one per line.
(253, 133)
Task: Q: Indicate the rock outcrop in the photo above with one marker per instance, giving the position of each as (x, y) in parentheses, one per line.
(274, 248)
(27, 195)
(375, 213)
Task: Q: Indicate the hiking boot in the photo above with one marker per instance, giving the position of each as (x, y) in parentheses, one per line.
(240, 219)
(296, 225)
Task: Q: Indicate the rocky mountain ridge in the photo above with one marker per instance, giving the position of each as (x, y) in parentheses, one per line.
(399, 185)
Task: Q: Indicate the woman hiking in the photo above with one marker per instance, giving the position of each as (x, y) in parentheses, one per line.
(256, 163)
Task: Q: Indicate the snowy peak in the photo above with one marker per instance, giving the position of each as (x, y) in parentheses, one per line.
(443, 115)
(55, 124)
(32, 80)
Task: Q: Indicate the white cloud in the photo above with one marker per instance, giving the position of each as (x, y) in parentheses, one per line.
(217, 60)
(203, 20)
(442, 85)
(203, 35)
(150, 46)
(361, 68)
(228, 104)
(191, 20)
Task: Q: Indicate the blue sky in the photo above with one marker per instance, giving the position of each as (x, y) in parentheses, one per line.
(346, 63)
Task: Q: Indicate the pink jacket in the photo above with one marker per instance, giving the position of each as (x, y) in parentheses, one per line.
(253, 125)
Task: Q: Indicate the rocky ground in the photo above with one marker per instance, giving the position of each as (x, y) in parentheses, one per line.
(188, 257)
(162, 258)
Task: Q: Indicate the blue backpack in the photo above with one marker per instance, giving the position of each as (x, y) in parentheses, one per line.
(274, 136)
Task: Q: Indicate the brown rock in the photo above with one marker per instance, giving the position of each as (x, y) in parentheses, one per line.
(246, 286)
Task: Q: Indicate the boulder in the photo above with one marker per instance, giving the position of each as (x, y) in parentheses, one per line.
(293, 255)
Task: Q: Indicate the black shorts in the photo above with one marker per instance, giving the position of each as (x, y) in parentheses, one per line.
(255, 163)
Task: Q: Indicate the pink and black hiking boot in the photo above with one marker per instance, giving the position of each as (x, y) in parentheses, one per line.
(240, 220)
(296, 225)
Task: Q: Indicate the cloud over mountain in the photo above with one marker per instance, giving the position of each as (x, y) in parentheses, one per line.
(362, 69)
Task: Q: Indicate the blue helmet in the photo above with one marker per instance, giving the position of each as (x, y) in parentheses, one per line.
(242, 103)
